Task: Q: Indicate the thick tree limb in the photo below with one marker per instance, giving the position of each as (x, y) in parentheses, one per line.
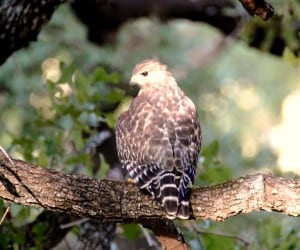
(21, 22)
(104, 18)
(105, 200)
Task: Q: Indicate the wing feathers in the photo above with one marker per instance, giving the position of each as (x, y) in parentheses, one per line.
(159, 139)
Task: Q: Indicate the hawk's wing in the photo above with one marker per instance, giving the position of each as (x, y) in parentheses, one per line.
(158, 141)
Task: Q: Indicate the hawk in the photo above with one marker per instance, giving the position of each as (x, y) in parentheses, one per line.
(159, 138)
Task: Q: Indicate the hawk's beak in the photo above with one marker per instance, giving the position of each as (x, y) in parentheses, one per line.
(133, 80)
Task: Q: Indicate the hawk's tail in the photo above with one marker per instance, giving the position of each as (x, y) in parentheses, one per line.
(167, 190)
(167, 193)
(184, 208)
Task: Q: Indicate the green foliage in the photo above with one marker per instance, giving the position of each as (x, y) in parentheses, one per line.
(10, 236)
(209, 153)
(131, 231)
(53, 136)
(275, 236)
(69, 116)
(38, 232)
(214, 171)
(290, 57)
(218, 242)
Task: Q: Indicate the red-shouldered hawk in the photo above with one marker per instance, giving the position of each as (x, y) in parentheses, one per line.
(159, 138)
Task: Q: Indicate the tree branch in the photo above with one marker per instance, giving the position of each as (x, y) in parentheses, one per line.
(21, 21)
(106, 200)
(260, 8)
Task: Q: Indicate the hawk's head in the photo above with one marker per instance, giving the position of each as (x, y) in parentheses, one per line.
(151, 73)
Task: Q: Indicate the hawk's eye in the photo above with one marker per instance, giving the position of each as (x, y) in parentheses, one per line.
(145, 73)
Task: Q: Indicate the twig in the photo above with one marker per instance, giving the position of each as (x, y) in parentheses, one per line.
(7, 156)
(221, 234)
(4, 215)
(74, 223)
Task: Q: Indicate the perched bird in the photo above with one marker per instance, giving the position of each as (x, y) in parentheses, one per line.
(159, 138)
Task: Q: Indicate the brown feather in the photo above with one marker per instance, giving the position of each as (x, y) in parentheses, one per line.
(159, 137)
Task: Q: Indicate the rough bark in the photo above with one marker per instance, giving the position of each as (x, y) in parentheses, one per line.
(106, 200)
(259, 7)
(75, 195)
(21, 22)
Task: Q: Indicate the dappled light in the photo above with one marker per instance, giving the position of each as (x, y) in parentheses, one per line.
(285, 137)
(41, 102)
(64, 90)
(50, 69)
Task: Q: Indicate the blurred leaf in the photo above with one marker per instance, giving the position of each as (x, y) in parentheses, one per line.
(290, 57)
(68, 72)
(216, 174)
(102, 174)
(101, 74)
(218, 242)
(213, 172)
(210, 153)
(131, 231)
(115, 95)
(39, 230)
